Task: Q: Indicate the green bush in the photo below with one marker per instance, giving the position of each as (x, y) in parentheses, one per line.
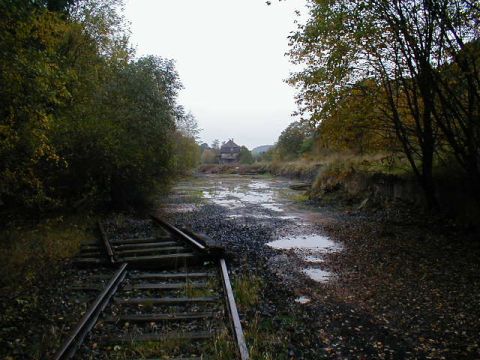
(82, 120)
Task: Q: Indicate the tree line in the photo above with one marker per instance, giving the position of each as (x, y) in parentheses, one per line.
(398, 76)
(82, 119)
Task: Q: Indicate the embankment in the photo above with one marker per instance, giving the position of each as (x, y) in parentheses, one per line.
(363, 183)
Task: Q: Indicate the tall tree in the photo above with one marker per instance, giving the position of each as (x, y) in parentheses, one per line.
(80, 119)
(397, 43)
(245, 156)
(290, 141)
(35, 79)
(457, 84)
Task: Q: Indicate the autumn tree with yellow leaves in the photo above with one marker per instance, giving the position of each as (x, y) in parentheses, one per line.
(82, 120)
(405, 48)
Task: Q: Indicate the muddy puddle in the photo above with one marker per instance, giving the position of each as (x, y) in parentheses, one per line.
(311, 249)
(236, 193)
(258, 199)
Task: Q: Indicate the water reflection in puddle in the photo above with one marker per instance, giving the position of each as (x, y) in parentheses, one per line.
(317, 242)
(257, 200)
(313, 259)
(317, 274)
(259, 185)
(256, 193)
(272, 207)
(260, 216)
(302, 300)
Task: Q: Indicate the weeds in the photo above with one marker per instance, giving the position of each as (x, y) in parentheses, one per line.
(25, 252)
(194, 196)
(299, 198)
(191, 291)
(247, 291)
(263, 341)
(223, 347)
(161, 348)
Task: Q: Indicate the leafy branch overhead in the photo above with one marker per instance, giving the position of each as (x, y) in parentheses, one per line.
(420, 58)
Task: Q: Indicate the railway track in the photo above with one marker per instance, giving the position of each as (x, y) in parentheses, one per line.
(170, 296)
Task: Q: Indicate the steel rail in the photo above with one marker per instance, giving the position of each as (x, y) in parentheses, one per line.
(89, 319)
(232, 308)
(229, 297)
(108, 247)
(180, 233)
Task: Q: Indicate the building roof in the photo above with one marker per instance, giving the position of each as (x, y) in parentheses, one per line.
(229, 145)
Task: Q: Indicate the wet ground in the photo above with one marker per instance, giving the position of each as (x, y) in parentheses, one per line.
(263, 200)
(339, 283)
(313, 281)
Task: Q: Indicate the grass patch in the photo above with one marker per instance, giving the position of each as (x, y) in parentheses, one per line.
(247, 291)
(309, 167)
(223, 347)
(195, 195)
(191, 291)
(299, 169)
(299, 198)
(163, 347)
(241, 169)
(265, 336)
(263, 341)
(220, 347)
(28, 252)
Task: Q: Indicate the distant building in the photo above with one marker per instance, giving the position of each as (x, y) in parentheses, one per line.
(229, 152)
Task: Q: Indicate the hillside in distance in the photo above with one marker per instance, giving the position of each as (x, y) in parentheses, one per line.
(261, 149)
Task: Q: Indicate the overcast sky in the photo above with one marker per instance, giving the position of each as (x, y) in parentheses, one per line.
(230, 57)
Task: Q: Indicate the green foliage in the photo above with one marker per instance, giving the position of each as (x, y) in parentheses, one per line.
(355, 125)
(403, 50)
(216, 144)
(187, 153)
(245, 156)
(80, 119)
(33, 86)
(247, 291)
(293, 141)
(209, 156)
(126, 147)
(186, 149)
(24, 250)
(266, 156)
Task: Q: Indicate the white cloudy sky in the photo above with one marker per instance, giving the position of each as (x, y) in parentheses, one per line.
(230, 57)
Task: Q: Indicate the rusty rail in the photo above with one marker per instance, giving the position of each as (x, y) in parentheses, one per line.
(89, 319)
(232, 309)
(229, 296)
(108, 247)
(179, 233)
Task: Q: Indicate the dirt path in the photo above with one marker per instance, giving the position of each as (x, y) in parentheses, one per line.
(338, 283)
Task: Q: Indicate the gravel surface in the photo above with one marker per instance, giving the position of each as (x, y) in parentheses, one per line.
(399, 286)
(403, 285)
(35, 322)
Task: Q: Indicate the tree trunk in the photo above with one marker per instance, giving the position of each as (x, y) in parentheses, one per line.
(427, 139)
(427, 182)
